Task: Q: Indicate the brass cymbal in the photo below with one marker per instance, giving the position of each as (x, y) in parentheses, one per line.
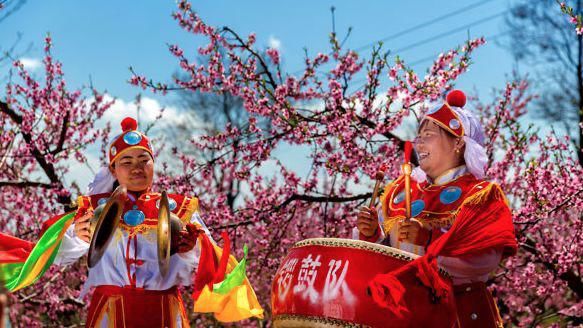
(164, 234)
(169, 227)
(107, 222)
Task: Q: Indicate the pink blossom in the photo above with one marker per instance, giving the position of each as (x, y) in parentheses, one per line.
(274, 55)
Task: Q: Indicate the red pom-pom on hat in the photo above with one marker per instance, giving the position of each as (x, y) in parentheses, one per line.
(129, 124)
(456, 98)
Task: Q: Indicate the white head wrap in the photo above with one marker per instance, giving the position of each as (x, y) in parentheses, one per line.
(475, 154)
(102, 182)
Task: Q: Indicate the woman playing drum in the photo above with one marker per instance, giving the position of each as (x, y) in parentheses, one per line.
(460, 219)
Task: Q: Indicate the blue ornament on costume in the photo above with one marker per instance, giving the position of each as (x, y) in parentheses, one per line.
(102, 201)
(416, 207)
(132, 138)
(134, 217)
(171, 204)
(399, 198)
(450, 194)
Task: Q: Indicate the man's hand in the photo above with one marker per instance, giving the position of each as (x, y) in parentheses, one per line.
(367, 221)
(187, 238)
(82, 226)
(413, 232)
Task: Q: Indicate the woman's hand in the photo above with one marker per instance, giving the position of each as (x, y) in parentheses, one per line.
(412, 231)
(82, 226)
(187, 238)
(367, 221)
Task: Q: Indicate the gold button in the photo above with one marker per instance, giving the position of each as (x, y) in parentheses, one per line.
(468, 289)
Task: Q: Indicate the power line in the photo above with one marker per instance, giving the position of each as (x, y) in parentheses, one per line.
(452, 31)
(425, 24)
(430, 22)
(432, 57)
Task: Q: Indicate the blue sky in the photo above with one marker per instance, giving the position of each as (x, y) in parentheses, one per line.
(101, 39)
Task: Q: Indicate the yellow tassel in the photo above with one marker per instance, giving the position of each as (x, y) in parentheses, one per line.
(388, 223)
(483, 195)
(386, 193)
(84, 202)
(190, 209)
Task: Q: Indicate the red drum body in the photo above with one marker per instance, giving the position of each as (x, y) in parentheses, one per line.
(323, 283)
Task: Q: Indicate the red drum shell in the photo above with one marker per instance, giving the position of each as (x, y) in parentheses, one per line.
(322, 282)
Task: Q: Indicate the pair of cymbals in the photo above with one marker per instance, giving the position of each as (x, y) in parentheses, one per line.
(108, 220)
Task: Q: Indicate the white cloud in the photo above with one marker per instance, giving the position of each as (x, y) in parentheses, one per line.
(149, 109)
(31, 63)
(274, 42)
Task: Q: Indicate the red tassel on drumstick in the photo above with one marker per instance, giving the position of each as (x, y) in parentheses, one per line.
(406, 167)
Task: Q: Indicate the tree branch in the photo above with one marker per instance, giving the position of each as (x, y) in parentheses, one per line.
(323, 199)
(24, 184)
(63, 135)
(47, 167)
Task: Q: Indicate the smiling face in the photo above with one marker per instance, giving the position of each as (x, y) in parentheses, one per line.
(436, 149)
(134, 169)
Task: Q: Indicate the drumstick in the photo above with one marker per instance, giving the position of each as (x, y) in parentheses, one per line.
(407, 173)
(379, 177)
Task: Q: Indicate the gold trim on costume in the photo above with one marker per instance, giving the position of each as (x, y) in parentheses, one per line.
(139, 229)
(386, 194)
(447, 127)
(84, 202)
(99, 316)
(293, 321)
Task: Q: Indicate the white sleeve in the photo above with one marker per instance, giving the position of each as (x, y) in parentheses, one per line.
(72, 248)
(193, 255)
(471, 268)
(196, 219)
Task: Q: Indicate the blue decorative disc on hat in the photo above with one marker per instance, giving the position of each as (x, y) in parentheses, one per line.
(132, 138)
(171, 204)
(399, 198)
(416, 207)
(134, 217)
(454, 124)
(450, 195)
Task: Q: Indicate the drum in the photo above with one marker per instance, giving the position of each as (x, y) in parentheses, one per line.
(323, 283)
